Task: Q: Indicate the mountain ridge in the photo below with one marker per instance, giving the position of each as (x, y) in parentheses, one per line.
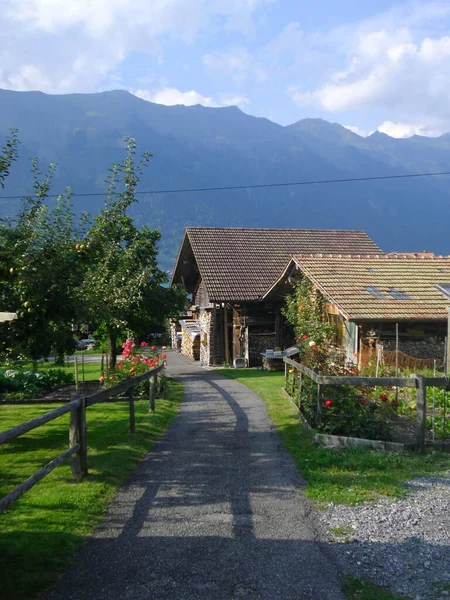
(201, 147)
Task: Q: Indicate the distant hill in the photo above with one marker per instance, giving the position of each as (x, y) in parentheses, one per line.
(210, 147)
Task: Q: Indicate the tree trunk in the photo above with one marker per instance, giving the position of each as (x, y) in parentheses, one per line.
(112, 343)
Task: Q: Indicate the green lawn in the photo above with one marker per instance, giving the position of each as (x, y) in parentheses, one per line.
(41, 531)
(345, 476)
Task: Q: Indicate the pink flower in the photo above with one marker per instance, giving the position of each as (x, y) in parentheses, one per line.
(101, 379)
(153, 347)
(164, 348)
(143, 344)
(304, 337)
(328, 403)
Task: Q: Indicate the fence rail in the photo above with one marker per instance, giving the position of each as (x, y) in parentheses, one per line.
(77, 429)
(417, 381)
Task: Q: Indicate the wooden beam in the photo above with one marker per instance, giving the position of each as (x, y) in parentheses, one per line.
(15, 432)
(421, 412)
(225, 326)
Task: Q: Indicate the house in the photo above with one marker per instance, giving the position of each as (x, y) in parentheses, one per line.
(227, 273)
(7, 316)
(376, 301)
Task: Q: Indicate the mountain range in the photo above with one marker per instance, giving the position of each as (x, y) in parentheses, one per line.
(199, 147)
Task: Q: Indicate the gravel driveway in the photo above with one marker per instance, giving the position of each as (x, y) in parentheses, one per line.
(214, 512)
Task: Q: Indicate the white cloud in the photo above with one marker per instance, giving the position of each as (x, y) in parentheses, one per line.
(171, 97)
(398, 62)
(236, 63)
(76, 45)
(405, 130)
(357, 130)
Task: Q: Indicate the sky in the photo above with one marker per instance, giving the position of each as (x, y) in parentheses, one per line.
(367, 64)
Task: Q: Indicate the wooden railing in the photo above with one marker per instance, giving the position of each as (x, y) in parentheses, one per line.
(417, 381)
(78, 450)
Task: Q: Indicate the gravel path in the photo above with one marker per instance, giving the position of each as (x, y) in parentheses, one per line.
(403, 545)
(215, 512)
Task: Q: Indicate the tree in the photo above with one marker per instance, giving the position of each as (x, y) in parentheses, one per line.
(123, 285)
(8, 156)
(44, 268)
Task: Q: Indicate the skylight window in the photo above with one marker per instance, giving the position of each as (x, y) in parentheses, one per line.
(375, 292)
(444, 288)
(399, 295)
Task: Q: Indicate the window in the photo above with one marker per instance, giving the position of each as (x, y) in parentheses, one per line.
(375, 292)
(399, 295)
(444, 288)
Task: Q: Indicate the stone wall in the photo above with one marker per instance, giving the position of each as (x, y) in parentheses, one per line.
(428, 348)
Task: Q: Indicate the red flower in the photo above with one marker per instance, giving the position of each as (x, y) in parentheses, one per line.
(304, 337)
(153, 347)
(383, 398)
(133, 369)
(143, 344)
(119, 367)
(363, 400)
(328, 403)
(163, 355)
(156, 359)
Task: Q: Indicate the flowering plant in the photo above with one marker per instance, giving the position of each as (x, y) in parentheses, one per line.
(131, 364)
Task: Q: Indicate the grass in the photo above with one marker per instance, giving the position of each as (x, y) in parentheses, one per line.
(357, 589)
(345, 476)
(41, 531)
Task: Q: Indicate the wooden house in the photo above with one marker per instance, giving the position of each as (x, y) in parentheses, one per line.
(378, 301)
(227, 273)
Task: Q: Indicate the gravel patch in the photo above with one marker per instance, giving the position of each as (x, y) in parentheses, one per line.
(403, 545)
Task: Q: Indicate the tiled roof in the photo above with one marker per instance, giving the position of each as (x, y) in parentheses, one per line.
(242, 264)
(400, 287)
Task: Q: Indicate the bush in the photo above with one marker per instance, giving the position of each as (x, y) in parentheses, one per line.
(345, 411)
(26, 384)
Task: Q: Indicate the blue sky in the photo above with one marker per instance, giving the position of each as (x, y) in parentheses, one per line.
(366, 64)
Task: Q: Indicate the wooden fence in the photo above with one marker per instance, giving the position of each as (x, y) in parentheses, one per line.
(78, 450)
(417, 381)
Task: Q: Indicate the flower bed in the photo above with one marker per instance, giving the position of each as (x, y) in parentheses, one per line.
(131, 363)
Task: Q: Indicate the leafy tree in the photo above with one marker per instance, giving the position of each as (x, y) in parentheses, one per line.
(8, 156)
(123, 285)
(45, 265)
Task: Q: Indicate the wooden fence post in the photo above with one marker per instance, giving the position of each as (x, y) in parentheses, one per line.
(319, 399)
(132, 416)
(75, 360)
(77, 435)
(300, 383)
(421, 412)
(286, 376)
(151, 393)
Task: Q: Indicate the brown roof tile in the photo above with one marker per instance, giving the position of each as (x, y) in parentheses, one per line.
(242, 264)
(345, 279)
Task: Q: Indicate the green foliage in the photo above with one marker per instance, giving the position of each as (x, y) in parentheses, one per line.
(8, 156)
(304, 310)
(123, 285)
(359, 589)
(344, 410)
(54, 272)
(43, 268)
(23, 383)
